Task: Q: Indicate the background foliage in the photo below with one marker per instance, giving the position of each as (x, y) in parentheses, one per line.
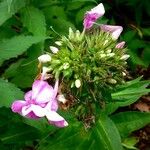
(26, 32)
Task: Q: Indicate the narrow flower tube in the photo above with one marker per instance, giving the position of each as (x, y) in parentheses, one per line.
(92, 15)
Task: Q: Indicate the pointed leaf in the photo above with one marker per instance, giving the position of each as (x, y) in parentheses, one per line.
(108, 134)
(130, 121)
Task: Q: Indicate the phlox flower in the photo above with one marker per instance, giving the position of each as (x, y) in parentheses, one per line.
(40, 102)
(92, 15)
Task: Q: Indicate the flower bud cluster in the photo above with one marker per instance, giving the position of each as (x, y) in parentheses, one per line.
(91, 57)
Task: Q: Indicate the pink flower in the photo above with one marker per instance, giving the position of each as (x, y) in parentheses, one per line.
(114, 30)
(40, 102)
(120, 45)
(92, 15)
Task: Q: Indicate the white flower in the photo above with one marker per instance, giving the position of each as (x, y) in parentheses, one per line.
(110, 54)
(66, 66)
(61, 98)
(77, 83)
(125, 57)
(59, 43)
(44, 58)
(54, 49)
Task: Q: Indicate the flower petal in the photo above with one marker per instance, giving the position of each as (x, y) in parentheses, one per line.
(92, 15)
(55, 119)
(17, 106)
(114, 30)
(36, 109)
(42, 92)
(28, 96)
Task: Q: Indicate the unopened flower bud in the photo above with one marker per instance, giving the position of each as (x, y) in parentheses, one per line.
(66, 66)
(120, 45)
(71, 33)
(54, 49)
(102, 55)
(61, 98)
(108, 51)
(44, 58)
(77, 83)
(106, 41)
(123, 73)
(110, 54)
(112, 81)
(78, 35)
(125, 57)
(59, 43)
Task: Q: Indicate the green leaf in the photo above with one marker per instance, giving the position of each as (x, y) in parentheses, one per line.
(131, 93)
(9, 92)
(34, 20)
(9, 8)
(15, 46)
(127, 94)
(70, 137)
(130, 121)
(108, 134)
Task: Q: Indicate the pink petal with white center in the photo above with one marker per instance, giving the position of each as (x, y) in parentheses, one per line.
(120, 45)
(35, 109)
(42, 92)
(17, 106)
(92, 15)
(55, 119)
(114, 30)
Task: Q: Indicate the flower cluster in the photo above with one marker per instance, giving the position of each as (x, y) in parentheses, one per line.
(85, 63)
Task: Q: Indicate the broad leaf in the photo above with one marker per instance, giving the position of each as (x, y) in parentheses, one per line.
(9, 92)
(15, 46)
(34, 20)
(127, 122)
(9, 8)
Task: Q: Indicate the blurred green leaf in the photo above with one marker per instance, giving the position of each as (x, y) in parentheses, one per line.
(9, 92)
(15, 46)
(130, 121)
(9, 8)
